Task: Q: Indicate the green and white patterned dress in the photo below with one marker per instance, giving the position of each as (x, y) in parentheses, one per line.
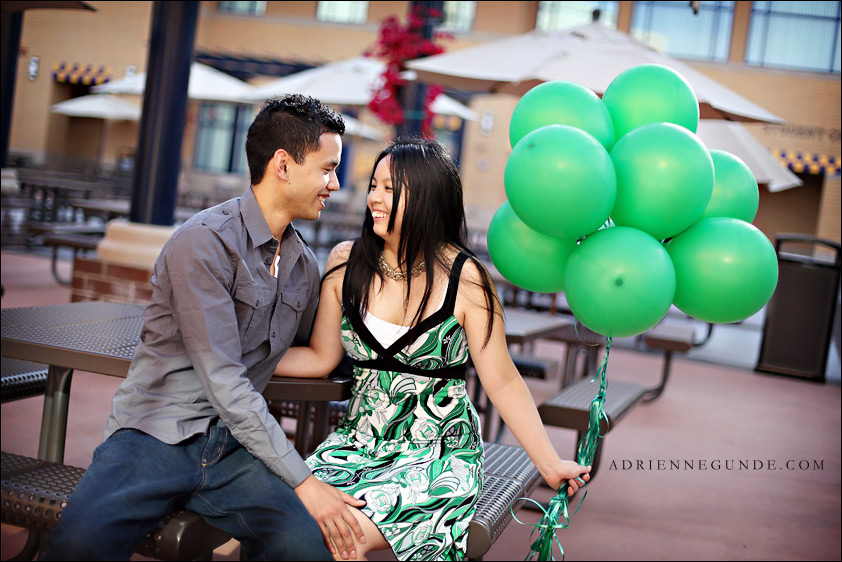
(410, 444)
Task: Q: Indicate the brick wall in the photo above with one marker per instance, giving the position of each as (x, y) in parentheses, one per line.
(94, 280)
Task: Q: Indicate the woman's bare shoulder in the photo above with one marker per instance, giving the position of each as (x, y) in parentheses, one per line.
(341, 251)
(339, 255)
(474, 280)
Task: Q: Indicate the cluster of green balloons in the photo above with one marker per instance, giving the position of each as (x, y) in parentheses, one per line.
(616, 202)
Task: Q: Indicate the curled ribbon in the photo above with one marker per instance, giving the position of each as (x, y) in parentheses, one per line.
(551, 521)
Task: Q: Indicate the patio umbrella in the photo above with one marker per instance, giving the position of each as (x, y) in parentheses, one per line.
(206, 84)
(358, 129)
(734, 138)
(99, 106)
(591, 55)
(349, 82)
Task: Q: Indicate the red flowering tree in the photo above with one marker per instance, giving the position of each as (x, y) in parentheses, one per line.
(396, 44)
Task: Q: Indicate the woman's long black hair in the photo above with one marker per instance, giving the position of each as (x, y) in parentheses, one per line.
(434, 216)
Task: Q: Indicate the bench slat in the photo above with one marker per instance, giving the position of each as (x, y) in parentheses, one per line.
(535, 367)
(22, 379)
(38, 228)
(571, 407)
(72, 240)
(670, 338)
(508, 476)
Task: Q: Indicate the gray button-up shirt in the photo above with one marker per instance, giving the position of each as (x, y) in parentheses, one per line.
(217, 324)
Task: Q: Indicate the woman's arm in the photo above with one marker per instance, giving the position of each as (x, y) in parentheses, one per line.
(504, 385)
(325, 350)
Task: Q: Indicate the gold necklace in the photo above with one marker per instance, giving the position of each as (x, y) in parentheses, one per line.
(396, 274)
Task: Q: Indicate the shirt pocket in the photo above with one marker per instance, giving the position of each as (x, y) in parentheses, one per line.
(254, 314)
(293, 305)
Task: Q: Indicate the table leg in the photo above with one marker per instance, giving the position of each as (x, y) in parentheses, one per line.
(321, 421)
(302, 426)
(54, 416)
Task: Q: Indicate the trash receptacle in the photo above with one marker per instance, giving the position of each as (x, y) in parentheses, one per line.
(800, 314)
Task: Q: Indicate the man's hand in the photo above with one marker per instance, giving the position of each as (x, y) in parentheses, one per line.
(328, 507)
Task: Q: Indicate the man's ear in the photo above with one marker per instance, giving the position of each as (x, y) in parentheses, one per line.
(280, 162)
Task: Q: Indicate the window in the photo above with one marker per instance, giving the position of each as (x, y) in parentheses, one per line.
(674, 29)
(221, 138)
(458, 17)
(799, 35)
(243, 8)
(560, 15)
(342, 12)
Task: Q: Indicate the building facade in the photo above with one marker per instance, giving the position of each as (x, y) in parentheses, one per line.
(784, 56)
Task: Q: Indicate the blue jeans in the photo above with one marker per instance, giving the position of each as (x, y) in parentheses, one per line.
(136, 480)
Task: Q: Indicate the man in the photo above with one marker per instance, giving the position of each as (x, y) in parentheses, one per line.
(233, 288)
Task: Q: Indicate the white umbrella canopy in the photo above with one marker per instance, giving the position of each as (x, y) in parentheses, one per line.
(349, 82)
(591, 55)
(356, 128)
(98, 106)
(734, 138)
(206, 83)
(346, 82)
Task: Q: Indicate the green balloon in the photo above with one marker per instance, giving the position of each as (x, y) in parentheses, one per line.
(562, 103)
(527, 258)
(664, 179)
(650, 93)
(560, 181)
(735, 192)
(726, 270)
(619, 282)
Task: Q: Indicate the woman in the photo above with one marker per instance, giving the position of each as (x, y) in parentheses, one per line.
(407, 301)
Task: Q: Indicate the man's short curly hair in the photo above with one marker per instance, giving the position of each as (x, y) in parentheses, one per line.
(292, 122)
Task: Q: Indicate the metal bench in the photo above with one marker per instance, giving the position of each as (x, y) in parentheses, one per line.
(35, 493)
(534, 367)
(22, 379)
(509, 477)
(570, 408)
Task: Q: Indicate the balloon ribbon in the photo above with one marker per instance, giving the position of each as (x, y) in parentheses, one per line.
(551, 521)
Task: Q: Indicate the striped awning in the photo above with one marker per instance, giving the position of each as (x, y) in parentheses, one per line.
(448, 122)
(808, 162)
(78, 73)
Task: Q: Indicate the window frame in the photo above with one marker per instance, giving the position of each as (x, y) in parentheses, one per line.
(255, 8)
(766, 11)
(330, 15)
(717, 36)
(448, 26)
(555, 6)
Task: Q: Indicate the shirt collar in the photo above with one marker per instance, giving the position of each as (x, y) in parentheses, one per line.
(255, 222)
